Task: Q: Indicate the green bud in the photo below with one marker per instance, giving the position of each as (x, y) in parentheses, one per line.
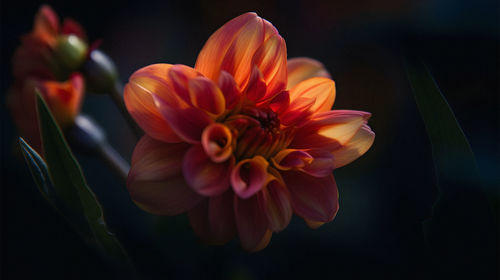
(70, 52)
(100, 73)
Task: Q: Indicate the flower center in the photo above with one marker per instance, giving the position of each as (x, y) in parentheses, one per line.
(258, 132)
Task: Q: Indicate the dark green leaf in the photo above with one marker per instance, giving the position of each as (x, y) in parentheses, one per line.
(80, 205)
(461, 229)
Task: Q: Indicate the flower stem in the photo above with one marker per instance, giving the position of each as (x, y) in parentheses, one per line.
(116, 95)
(114, 160)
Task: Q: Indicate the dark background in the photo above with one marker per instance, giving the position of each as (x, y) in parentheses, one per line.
(384, 196)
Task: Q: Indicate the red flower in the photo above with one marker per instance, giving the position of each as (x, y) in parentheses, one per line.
(45, 61)
(244, 139)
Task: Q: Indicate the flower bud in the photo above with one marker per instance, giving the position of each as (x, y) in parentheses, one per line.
(100, 72)
(70, 52)
(85, 135)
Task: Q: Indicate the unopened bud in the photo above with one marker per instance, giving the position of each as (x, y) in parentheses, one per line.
(100, 73)
(70, 52)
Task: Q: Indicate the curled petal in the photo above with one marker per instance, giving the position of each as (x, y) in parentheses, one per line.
(251, 223)
(315, 199)
(321, 89)
(356, 147)
(303, 68)
(249, 176)
(155, 180)
(232, 47)
(291, 159)
(329, 130)
(203, 175)
(275, 200)
(217, 142)
(213, 219)
(205, 94)
(229, 88)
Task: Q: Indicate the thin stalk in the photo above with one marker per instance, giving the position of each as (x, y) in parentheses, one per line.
(116, 95)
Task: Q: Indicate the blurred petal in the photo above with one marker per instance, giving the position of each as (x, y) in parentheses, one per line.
(249, 176)
(46, 24)
(303, 68)
(356, 147)
(217, 142)
(72, 27)
(204, 176)
(313, 198)
(251, 223)
(275, 200)
(321, 89)
(329, 130)
(206, 95)
(155, 179)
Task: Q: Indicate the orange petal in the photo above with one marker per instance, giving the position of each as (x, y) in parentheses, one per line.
(251, 223)
(46, 25)
(155, 179)
(232, 47)
(313, 198)
(270, 58)
(217, 142)
(249, 176)
(303, 68)
(329, 130)
(298, 112)
(64, 98)
(204, 176)
(205, 94)
(356, 147)
(140, 103)
(275, 200)
(321, 89)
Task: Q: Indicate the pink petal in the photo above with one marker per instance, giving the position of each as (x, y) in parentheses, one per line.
(229, 88)
(213, 219)
(321, 89)
(291, 159)
(303, 68)
(217, 142)
(356, 147)
(179, 76)
(298, 112)
(275, 200)
(204, 176)
(251, 223)
(155, 180)
(322, 164)
(249, 176)
(329, 130)
(206, 95)
(313, 198)
(188, 122)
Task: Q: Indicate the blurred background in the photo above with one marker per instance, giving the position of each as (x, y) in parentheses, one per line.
(384, 196)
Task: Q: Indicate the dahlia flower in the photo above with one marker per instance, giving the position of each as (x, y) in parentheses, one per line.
(244, 139)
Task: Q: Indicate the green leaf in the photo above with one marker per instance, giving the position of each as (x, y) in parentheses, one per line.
(77, 202)
(38, 169)
(461, 229)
